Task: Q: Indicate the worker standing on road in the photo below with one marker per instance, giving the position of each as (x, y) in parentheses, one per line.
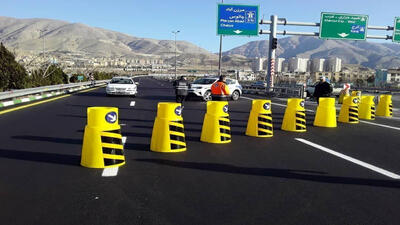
(92, 80)
(219, 90)
(322, 89)
(181, 89)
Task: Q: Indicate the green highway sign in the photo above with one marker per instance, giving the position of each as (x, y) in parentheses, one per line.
(237, 20)
(343, 26)
(396, 31)
(80, 77)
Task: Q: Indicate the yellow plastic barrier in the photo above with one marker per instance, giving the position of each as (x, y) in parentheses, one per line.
(349, 111)
(260, 119)
(326, 113)
(295, 116)
(342, 94)
(216, 126)
(102, 141)
(367, 108)
(356, 94)
(168, 132)
(385, 106)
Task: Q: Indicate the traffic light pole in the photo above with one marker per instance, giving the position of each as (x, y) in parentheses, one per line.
(272, 53)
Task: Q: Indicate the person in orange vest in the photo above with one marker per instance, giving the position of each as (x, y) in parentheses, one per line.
(219, 90)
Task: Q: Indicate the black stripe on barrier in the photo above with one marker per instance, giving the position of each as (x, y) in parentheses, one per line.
(224, 123)
(113, 131)
(109, 162)
(390, 110)
(178, 121)
(264, 120)
(111, 140)
(351, 119)
(266, 114)
(176, 129)
(176, 146)
(301, 122)
(264, 127)
(372, 108)
(264, 133)
(300, 116)
(353, 110)
(177, 138)
(223, 138)
(113, 151)
(224, 131)
(300, 127)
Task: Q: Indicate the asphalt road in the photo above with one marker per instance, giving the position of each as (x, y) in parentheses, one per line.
(277, 180)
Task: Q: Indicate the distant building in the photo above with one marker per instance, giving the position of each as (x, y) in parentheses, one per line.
(279, 65)
(298, 65)
(259, 64)
(333, 65)
(317, 65)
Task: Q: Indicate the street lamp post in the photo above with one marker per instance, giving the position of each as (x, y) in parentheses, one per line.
(175, 32)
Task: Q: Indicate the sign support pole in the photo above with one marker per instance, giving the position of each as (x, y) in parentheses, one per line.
(220, 51)
(272, 53)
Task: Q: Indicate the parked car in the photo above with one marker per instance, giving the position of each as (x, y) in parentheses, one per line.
(202, 88)
(259, 84)
(121, 86)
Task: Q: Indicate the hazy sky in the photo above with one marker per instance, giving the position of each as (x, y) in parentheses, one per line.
(196, 19)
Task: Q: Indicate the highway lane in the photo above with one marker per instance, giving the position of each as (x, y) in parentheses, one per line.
(250, 181)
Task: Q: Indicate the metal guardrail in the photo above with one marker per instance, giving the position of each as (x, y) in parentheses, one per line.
(31, 91)
(297, 92)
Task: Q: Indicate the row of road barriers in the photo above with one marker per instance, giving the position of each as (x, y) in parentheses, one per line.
(103, 147)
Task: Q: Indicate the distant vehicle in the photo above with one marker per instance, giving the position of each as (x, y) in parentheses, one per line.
(336, 88)
(122, 86)
(202, 88)
(259, 84)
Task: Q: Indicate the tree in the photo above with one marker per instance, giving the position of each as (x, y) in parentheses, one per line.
(371, 79)
(12, 74)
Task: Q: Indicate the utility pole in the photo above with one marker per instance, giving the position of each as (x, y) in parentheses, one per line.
(175, 32)
(272, 53)
(220, 51)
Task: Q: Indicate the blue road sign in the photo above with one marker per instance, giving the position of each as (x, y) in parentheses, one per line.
(237, 20)
(111, 117)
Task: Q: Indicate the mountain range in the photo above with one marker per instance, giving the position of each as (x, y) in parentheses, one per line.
(366, 53)
(26, 36)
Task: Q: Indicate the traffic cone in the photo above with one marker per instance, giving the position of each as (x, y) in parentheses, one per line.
(260, 119)
(295, 116)
(216, 126)
(349, 111)
(168, 132)
(326, 113)
(385, 106)
(102, 140)
(367, 108)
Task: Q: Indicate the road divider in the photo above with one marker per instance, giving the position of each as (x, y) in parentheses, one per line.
(168, 134)
(385, 107)
(216, 124)
(349, 111)
(367, 108)
(326, 113)
(295, 116)
(260, 119)
(102, 141)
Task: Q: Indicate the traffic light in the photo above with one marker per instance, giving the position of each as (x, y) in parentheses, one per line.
(274, 43)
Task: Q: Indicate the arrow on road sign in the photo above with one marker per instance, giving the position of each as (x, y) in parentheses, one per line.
(237, 31)
(343, 35)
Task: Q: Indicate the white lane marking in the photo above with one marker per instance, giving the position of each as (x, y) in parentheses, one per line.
(110, 172)
(348, 158)
(124, 140)
(132, 103)
(361, 121)
(379, 125)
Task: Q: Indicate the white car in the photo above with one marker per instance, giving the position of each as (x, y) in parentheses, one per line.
(202, 88)
(121, 86)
